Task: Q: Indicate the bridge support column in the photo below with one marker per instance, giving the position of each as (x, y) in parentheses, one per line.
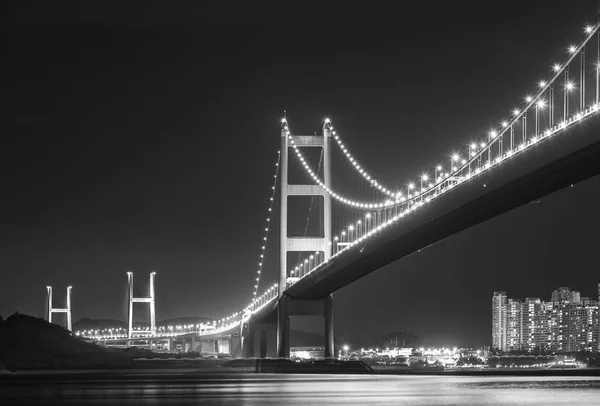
(248, 348)
(235, 346)
(283, 327)
(303, 244)
(66, 310)
(263, 344)
(328, 316)
(49, 300)
(131, 300)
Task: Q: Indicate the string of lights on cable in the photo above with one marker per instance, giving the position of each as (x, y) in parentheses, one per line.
(339, 197)
(267, 226)
(358, 167)
(457, 162)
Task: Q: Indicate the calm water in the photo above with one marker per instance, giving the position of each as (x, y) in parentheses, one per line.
(266, 389)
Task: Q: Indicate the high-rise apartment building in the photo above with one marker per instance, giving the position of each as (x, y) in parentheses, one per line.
(499, 302)
(514, 324)
(535, 324)
(565, 294)
(567, 323)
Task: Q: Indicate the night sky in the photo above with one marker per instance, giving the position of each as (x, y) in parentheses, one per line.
(142, 136)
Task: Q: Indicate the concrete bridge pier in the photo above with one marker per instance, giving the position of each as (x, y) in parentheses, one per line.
(259, 340)
(235, 346)
(248, 343)
(289, 306)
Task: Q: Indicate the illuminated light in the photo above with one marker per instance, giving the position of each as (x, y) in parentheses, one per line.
(541, 104)
(493, 134)
(542, 83)
(504, 124)
(368, 215)
(569, 86)
(327, 121)
(516, 112)
(579, 116)
(455, 157)
(483, 145)
(425, 176)
(572, 49)
(439, 168)
(528, 99)
(588, 29)
(556, 67)
(464, 161)
(473, 154)
(411, 186)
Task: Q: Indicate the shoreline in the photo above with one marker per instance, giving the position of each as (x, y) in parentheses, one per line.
(192, 373)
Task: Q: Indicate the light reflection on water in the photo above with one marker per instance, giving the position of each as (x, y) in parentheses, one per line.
(276, 389)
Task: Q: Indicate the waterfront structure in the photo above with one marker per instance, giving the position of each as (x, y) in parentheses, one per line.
(568, 322)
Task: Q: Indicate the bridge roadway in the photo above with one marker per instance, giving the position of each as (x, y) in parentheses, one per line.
(227, 340)
(551, 165)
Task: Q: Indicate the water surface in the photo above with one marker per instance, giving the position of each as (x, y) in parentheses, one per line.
(278, 389)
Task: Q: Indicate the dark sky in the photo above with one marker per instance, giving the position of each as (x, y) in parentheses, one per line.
(142, 136)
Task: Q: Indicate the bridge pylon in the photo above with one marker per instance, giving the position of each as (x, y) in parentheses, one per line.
(131, 300)
(66, 309)
(306, 244)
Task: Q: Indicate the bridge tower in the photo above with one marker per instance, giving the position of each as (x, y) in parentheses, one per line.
(66, 310)
(306, 244)
(150, 300)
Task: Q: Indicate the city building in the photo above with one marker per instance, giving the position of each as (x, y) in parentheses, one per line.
(514, 325)
(499, 304)
(566, 323)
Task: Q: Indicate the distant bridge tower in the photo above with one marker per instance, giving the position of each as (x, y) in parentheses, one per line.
(66, 310)
(305, 244)
(150, 300)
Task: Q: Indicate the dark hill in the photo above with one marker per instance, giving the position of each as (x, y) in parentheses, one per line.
(31, 343)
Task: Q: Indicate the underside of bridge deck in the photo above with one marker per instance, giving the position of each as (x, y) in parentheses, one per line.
(553, 164)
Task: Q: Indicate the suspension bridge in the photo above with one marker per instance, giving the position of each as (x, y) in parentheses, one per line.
(549, 142)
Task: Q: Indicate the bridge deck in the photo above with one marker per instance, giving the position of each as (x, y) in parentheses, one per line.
(549, 166)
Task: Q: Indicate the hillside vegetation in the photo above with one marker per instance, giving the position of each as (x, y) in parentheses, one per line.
(28, 342)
